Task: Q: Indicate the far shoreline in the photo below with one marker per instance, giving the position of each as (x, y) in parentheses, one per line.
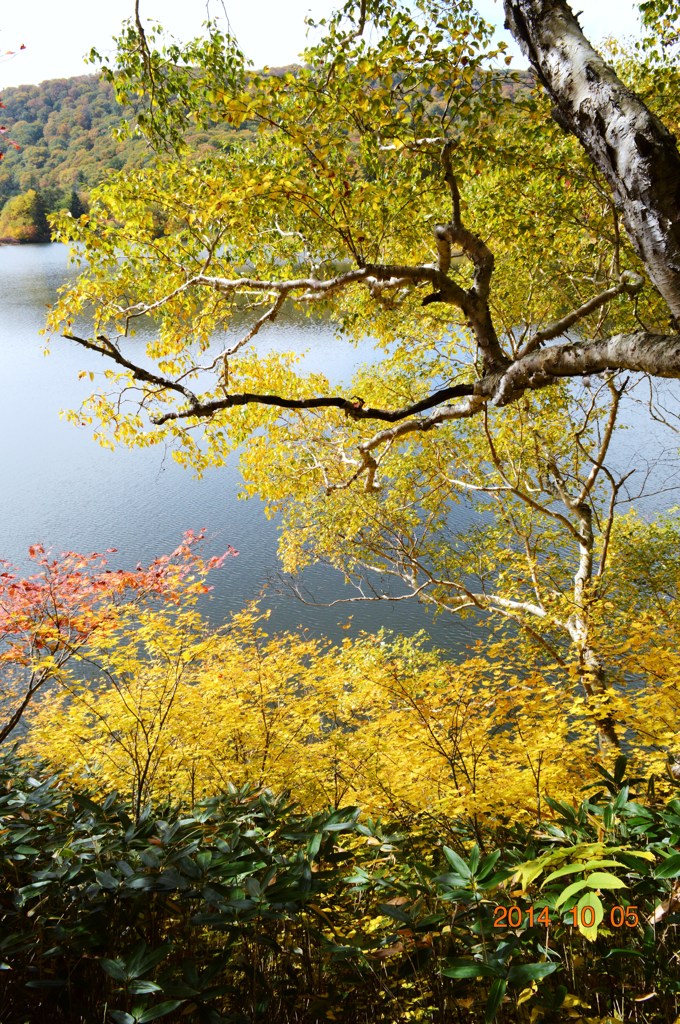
(26, 241)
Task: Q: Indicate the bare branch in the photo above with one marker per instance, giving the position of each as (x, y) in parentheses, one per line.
(353, 600)
(630, 284)
(267, 317)
(598, 461)
(544, 510)
(142, 309)
(107, 348)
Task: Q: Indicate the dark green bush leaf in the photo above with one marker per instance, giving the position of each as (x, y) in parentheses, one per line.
(524, 973)
(495, 999)
(670, 868)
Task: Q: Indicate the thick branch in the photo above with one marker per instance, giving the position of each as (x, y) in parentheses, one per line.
(310, 287)
(656, 354)
(475, 300)
(351, 406)
(473, 246)
(462, 410)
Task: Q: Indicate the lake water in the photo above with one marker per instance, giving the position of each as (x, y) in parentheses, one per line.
(59, 488)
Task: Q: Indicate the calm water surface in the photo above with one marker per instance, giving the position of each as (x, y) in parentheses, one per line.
(58, 487)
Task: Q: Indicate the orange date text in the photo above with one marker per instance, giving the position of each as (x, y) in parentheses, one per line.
(518, 917)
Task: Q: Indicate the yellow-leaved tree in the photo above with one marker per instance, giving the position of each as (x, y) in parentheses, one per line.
(181, 711)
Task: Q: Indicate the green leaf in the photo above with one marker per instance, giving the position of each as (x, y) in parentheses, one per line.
(314, 845)
(670, 868)
(81, 800)
(566, 810)
(457, 863)
(469, 969)
(625, 952)
(620, 768)
(160, 1010)
(495, 999)
(570, 891)
(143, 987)
(569, 869)
(523, 973)
(622, 799)
(604, 880)
(141, 882)
(106, 879)
(253, 887)
(114, 968)
(590, 899)
(487, 865)
(394, 912)
(142, 959)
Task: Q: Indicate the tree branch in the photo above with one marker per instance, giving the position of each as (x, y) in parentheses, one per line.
(107, 348)
(630, 284)
(351, 406)
(474, 301)
(642, 351)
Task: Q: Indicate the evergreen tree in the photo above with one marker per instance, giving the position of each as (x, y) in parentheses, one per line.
(75, 205)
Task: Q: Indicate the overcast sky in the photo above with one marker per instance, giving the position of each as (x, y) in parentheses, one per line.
(57, 34)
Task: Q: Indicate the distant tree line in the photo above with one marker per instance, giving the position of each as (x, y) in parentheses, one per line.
(24, 217)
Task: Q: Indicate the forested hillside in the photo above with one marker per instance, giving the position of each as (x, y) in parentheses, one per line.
(65, 131)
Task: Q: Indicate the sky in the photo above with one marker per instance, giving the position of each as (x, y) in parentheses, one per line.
(271, 32)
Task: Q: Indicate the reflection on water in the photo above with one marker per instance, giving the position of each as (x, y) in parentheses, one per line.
(63, 490)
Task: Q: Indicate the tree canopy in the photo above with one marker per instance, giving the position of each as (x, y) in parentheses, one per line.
(509, 244)
(23, 219)
(353, 195)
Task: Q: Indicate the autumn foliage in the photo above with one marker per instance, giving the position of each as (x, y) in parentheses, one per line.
(56, 618)
(180, 710)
